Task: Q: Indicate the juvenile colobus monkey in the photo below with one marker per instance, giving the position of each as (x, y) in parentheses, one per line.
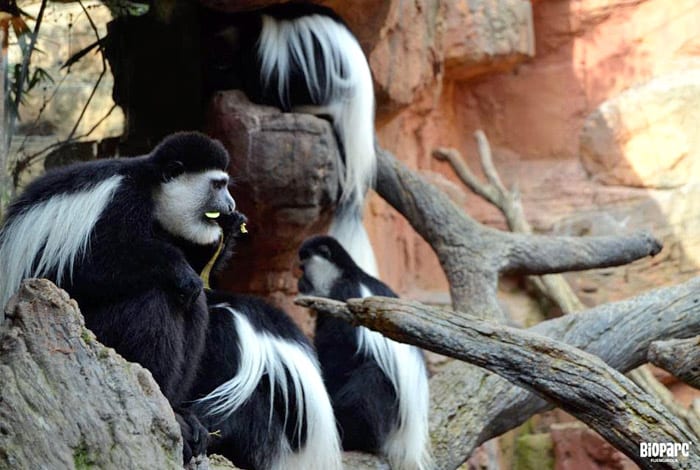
(302, 57)
(259, 387)
(107, 232)
(378, 387)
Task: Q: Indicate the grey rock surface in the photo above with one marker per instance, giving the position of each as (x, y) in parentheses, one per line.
(67, 401)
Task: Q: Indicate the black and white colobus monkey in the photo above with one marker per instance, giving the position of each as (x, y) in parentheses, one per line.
(259, 386)
(378, 387)
(259, 389)
(302, 57)
(105, 231)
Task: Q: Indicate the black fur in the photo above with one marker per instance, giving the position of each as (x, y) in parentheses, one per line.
(199, 256)
(233, 61)
(248, 437)
(135, 288)
(364, 400)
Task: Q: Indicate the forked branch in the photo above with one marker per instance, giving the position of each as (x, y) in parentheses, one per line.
(473, 256)
(578, 382)
(470, 406)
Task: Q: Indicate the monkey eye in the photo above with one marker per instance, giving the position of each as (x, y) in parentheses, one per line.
(219, 183)
(325, 251)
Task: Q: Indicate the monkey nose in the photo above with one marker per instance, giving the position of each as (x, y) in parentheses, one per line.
(230, 205)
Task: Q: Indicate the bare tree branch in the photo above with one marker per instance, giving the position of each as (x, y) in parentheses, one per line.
(680, 357)
(619, 333)
(470, 406)
(577, 382)
(551, 286)
(644, 377)
(473, 256)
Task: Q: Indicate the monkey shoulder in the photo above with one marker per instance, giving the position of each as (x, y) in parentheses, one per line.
(262, 316)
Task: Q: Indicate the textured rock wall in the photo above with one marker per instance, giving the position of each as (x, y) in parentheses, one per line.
(583, 164)
(588, 105)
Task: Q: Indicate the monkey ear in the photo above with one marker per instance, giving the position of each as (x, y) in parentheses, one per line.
(172, 169)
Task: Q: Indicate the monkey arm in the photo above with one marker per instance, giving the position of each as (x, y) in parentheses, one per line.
(120, 270)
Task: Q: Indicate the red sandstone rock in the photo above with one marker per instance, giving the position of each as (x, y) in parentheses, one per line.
(486, 36)
(285, 178)
(586, 52)
(578, 448)
(646, 136)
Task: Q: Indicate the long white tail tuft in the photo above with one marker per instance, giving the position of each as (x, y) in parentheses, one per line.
(288, 367)
(339, 82)
(408, 446)
(50, 235)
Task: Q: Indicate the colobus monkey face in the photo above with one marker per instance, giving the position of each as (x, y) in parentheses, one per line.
(323, 261)
(188, 205)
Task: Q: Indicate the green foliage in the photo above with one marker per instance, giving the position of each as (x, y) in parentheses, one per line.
(81, 458)
(86, 336)
(17, 91)
(534, 452)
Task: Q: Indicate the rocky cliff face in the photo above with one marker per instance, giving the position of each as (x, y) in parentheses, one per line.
(588, 106)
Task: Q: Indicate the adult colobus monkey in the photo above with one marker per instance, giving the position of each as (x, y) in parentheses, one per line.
(106, 232)
(259, 388)
(302, 57)
(378, 387)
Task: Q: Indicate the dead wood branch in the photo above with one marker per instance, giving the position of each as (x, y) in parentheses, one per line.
(551, 286)
(470, 406)
(680, 357)
(473, 256)
(644, 377)
(619, 333)
(578, 382)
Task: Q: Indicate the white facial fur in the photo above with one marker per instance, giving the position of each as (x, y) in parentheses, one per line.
(61, 226)
(322, 274)
(180, 205)
(289, 366)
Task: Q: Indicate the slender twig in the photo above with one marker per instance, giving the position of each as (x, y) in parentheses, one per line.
(99, 79)
(550, 286)
(44, 104)
(27, 160)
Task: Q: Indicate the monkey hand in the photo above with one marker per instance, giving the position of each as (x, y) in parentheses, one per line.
(188, 286)
(194, 436)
